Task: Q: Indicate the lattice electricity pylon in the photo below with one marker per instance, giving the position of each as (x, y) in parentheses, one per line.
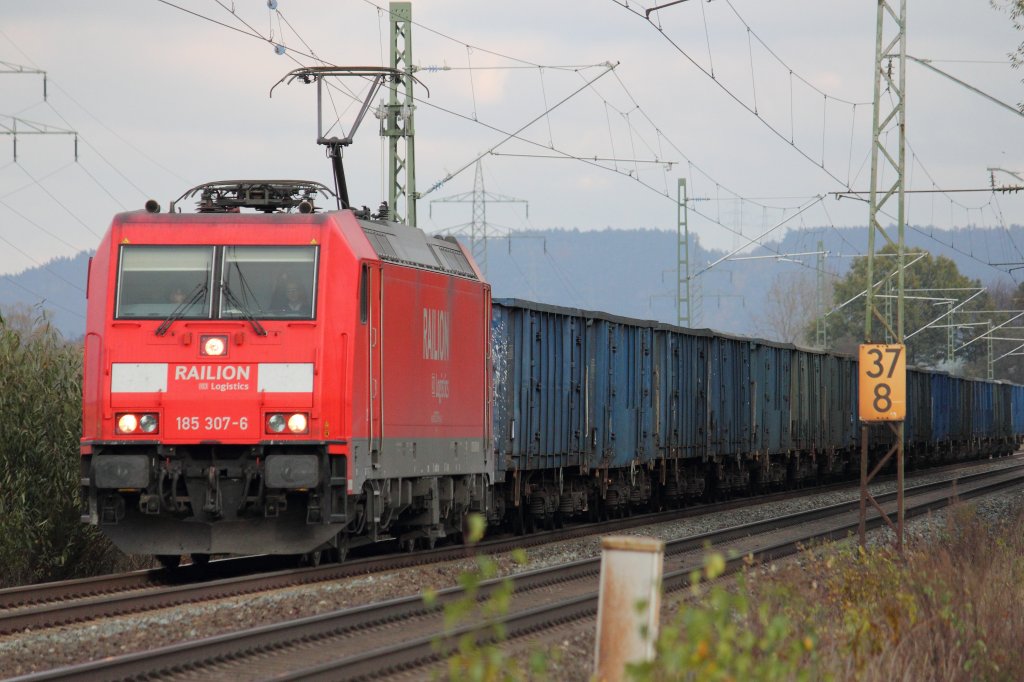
(821, 306)
(478, 228)
(888, 116)
(684, 300)
(398, 119)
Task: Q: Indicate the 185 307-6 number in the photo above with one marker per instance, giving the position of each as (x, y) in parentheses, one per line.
(212, 423)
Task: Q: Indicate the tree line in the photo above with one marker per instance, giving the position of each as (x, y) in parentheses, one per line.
(938, 317)
(41, 535)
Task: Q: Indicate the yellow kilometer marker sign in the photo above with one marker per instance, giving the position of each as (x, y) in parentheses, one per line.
(882, 396)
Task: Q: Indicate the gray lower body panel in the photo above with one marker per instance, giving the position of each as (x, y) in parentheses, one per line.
(408, 459)
(165, 535)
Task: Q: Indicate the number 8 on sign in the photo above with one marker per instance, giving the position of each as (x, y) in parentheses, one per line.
(882, 396)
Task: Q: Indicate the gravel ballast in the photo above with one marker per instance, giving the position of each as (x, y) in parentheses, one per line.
(27, 652)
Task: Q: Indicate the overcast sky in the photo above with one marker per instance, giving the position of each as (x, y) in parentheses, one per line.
(164, 100)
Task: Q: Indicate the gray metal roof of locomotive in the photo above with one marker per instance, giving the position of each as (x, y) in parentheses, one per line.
(398, 243)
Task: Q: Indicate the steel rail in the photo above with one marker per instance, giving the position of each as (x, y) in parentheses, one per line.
(149, 590)
(427, 650)
(36, 595)
(418, 651)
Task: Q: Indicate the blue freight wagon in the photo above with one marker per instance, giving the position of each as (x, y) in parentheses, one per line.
(597, 413)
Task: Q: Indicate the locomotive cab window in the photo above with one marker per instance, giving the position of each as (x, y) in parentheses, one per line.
(158, 281)
(269, 282)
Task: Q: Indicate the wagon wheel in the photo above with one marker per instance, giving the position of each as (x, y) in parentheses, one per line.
(310, 559)
(518, 525)
(169, 561)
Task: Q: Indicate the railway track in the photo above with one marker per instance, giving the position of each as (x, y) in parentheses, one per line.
(388, 637)
(33, 607)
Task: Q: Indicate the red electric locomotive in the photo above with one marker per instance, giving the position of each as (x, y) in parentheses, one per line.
(284, 381)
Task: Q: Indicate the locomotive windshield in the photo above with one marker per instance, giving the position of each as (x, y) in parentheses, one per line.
(156, 281)
(269, 281)
(175, 282)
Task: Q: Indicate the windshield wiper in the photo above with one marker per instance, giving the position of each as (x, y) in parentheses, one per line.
(243, 309)
(197, 295)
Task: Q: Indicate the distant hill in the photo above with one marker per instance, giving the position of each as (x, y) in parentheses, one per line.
(57, 287)
(627, 272)
(632, 272)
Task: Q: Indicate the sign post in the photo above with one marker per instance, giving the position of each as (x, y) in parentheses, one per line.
(882, 397)
(882, 394)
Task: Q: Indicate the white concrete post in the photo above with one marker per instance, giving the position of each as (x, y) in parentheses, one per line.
(631, 569)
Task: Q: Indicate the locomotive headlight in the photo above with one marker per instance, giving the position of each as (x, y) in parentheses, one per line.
(148, 423)
(213, 345)
(127, 423)
(297, 423)
(275, 423)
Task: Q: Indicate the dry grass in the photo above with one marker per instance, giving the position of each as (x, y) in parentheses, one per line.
(951, 609)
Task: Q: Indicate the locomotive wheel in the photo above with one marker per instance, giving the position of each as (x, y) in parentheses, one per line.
(169, 561)
(464, 534)
(310, 559)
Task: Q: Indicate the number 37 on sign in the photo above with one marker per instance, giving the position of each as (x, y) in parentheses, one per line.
(882, 396)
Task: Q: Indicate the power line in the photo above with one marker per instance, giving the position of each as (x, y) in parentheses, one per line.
(32, 128)
(625, 5)
(42, 298)
(515, 134)
(927, 63)
(44, 266)
(855, 193)
(60, 203)
(456, 40)
(39, 227)
(780, 60)
(252, 32)
(85, 140)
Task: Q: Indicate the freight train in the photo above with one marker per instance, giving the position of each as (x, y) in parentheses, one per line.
(262, 376)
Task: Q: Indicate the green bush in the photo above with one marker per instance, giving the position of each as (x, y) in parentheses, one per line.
(725, 635)
(479, 655)
(41, 536)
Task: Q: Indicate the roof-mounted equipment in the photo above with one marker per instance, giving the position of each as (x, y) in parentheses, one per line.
(378, 75)
(268, 196)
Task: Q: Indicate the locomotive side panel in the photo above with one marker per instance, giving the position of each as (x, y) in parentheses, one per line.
(433, 394)
(97, 294)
